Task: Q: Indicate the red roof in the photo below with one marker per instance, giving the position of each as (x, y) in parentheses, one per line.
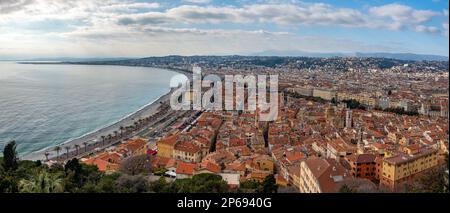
(185, 168)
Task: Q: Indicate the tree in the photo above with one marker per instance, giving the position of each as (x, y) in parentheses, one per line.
(353, 104)
(346, 189)
(103, 139)
(46, 155)
(77, 147)
(250, 186)
(57, 149)
(433, 181)
(200, 183)
(67, 151)
(10, 160)
(42, 182)
(132, 184)
(269, 185)
(8, 183)
(134, 165)
(158, 186)
(85, 146)
(333, 101)
(121, 128)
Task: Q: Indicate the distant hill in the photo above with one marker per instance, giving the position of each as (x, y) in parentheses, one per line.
(72, 59)
(405, 56)
(399, 56)
(297, 53)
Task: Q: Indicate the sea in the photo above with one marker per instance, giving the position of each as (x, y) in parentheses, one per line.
(43, 105)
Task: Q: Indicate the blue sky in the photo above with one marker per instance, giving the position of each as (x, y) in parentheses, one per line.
(137, 28)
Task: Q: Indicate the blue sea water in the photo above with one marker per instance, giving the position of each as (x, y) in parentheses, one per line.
(45, 105)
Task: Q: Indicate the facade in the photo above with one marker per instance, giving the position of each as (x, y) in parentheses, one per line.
(363, 166)
(321, 176)
(166, 146)
(305, 91)
(362, 98)
(133, 147)
(403, 167)
(324, 94)
(187, 152)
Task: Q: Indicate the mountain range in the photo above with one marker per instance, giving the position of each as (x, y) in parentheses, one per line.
(399, 56)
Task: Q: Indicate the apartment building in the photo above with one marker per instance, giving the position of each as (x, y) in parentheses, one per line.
(403, 167)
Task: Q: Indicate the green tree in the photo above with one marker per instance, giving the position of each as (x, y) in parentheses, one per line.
(10, 160)
(57, 149)
(269, 185)
(42, 182)
(250, 186)
(434, 181)
(8, 183)
(159, 186)
(346, 189)
(105, 184)
(201, 183)
(132, 184)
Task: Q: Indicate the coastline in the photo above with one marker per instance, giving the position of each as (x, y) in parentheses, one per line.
(145, 111)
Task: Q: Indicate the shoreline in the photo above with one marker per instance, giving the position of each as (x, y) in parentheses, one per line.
(145, 111)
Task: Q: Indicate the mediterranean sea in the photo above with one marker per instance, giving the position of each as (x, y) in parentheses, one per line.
(43, 105)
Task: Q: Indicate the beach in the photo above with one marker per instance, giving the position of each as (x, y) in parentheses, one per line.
(95, 136)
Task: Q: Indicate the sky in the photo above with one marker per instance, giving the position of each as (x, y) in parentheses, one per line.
(137, 28)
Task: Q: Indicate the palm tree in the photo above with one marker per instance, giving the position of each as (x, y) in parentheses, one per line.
(85, 146)
(77, 147)
(46, 156)
(103, 139)
(109, 138)
(57, 149)
(42, 182)
(67, 151)
(121, 130)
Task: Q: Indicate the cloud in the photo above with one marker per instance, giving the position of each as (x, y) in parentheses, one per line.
(391, 16)
(151, 40)
(125, 26)
(131, 7)
(124, 13)
(400, 16)
(8, 6)
(198, 1)
(428, 29)
(445, 24)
